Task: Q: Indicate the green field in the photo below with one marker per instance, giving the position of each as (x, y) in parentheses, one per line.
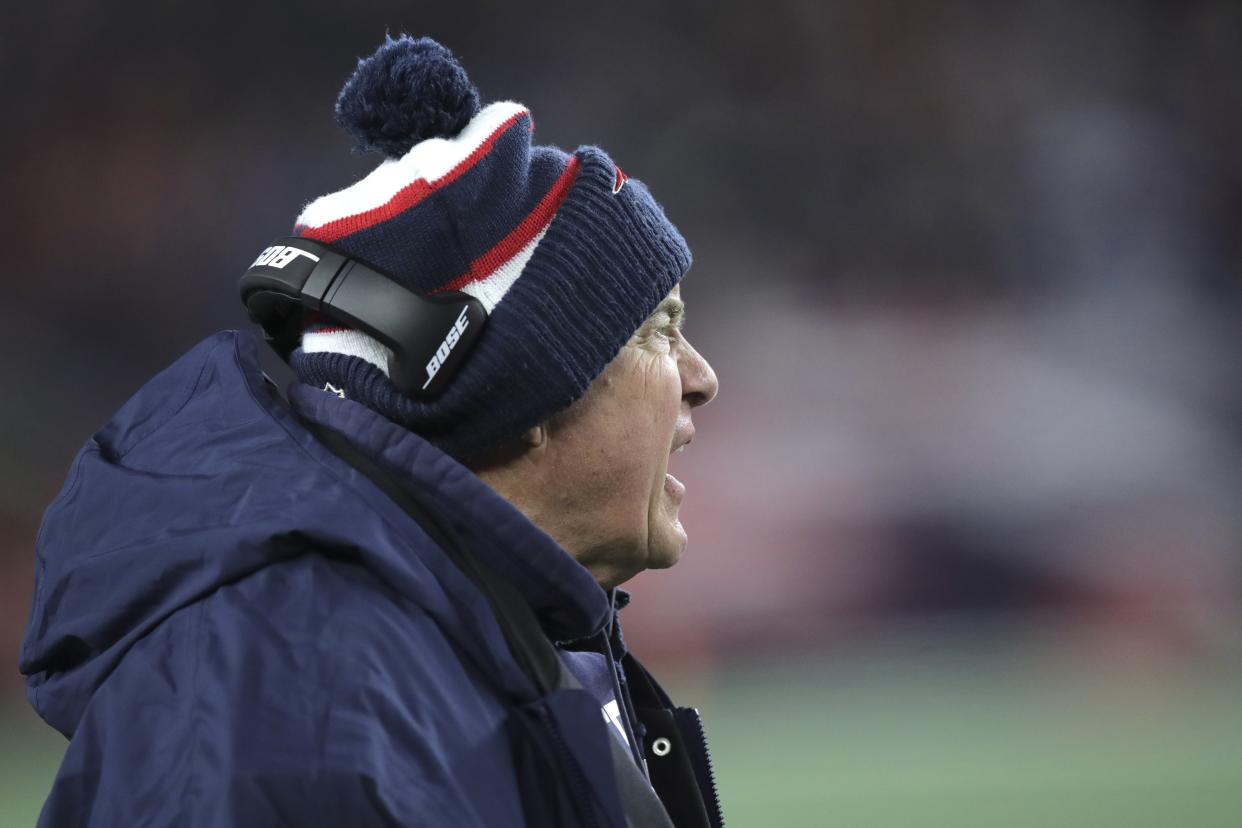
(898, 739)
(976, 744)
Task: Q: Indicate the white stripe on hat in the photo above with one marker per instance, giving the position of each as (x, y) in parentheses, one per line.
(348, 342)
(492, 289)
(429, 160)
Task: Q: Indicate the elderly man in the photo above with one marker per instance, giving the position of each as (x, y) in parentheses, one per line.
(391, 598)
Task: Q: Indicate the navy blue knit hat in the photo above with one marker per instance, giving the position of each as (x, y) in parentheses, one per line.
(567, 254)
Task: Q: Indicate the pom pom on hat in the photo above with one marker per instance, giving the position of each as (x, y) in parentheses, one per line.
(408, 91)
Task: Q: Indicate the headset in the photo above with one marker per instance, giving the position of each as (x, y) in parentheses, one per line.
(429, 335)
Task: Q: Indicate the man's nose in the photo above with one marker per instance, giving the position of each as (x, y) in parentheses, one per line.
(698, 381)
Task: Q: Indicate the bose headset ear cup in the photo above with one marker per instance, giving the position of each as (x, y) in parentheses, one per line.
(429, 336)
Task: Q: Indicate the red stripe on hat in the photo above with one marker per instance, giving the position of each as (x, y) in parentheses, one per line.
(520, 236)
(407, 196)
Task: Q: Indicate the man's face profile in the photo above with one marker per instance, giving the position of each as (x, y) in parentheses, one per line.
(616, 505)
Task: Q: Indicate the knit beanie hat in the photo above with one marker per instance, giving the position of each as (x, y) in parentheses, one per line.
(566, 253)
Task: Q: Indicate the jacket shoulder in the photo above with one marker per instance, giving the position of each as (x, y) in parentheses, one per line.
(307, 683)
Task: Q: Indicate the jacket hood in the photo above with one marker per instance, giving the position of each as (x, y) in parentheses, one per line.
(205, 476)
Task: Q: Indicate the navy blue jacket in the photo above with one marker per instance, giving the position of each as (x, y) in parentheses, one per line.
(234, 626)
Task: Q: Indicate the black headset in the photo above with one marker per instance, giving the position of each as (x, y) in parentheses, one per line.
(429, 336)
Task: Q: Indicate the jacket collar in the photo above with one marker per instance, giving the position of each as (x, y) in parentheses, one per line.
(566, 599)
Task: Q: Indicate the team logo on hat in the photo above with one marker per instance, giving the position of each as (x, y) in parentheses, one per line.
(619, 181)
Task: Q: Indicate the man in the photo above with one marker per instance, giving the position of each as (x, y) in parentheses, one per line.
(390, 599)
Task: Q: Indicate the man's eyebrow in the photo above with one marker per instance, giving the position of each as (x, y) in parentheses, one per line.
(674, 307)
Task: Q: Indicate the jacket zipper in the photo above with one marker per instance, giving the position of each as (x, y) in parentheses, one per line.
(704, 770)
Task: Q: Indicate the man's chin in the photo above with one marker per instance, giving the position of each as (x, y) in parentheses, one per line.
(670, 550)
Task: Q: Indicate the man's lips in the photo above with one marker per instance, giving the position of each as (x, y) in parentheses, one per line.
(675, 488)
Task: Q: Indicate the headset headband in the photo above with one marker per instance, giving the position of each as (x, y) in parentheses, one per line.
(429, 336)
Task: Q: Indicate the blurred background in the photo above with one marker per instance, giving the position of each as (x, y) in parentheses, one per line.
(964, 520)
